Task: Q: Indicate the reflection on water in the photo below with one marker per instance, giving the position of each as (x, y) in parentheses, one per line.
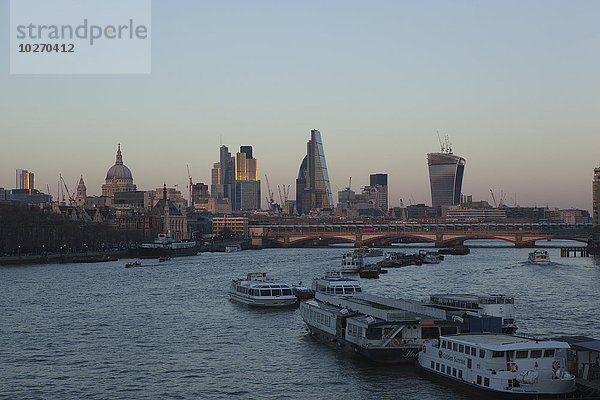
(168, 330)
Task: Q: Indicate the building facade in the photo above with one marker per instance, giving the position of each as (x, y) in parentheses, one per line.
(313, 190)
(445, 177)
(247, 186)
(81, 193)
(596, 197)
(25, 180)
(118, 178)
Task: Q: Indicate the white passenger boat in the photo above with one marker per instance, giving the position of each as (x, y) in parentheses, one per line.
(431, 257)
(494, 305)
(335, 284)
(499, 364)
(259, 291)
(539, 257)
(352, 263)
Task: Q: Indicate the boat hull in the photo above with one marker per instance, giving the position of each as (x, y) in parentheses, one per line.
(263, 302)
(163, 252)
(388, 355)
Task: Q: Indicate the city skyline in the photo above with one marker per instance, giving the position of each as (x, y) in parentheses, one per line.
(513, 84)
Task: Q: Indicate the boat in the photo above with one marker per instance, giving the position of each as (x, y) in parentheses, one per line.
(500, 364)
(396, 259)
(493, 305)
(165, 246)
(430, 257)
(539, 257)
(133, 264)
(368, 252)
(351, 263)
(233, 248)
(163, 259)
(455, 251)
(258, 290)
(380, 329)
(335, 284)
(369, 271)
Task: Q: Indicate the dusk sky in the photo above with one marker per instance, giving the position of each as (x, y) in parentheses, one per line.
(515, 84)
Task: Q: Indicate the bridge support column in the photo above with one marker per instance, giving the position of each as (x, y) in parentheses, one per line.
(439, 240)
(358, 241)
(286, 241)
(520, 243)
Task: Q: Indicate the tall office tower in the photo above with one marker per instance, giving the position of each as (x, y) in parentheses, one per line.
(445, 176)
(223, 176)
(596, 197)
(313, 190)
(215, 174)
(247, 187)
(25, 180)
(378, 192)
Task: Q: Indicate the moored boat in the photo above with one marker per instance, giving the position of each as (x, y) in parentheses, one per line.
(455, 251)
(258, 290)
(133, 264)
(539, 257)
(233, 248)
(165, 246)
(500, 364)
(352, 263)
(369, 271)
(430, 257)
(368, 251)
(335, 284)
(493, 305)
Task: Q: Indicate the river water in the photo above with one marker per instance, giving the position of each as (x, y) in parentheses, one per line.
(168, 331)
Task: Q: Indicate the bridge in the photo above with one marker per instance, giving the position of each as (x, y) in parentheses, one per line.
(443, 235)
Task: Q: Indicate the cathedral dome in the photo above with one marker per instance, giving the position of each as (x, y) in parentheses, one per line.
(119, 170)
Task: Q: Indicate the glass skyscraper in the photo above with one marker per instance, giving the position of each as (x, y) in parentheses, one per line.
(313, 190)
(445, 176)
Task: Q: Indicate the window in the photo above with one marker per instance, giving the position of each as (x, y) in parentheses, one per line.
(481, 353)
(467, 350)
(460, 373)
(461, 348)
(486, 382)
(453, 371)
(276, 292)
(432, 365)
(536, 354)
(496, 354)
(522, 353)
(443, 344)
(443, 368)
(265, 292)
(454, 346)
(478, 380)
(437, 366)
(549, 353)
(469, 363)
(473, 351)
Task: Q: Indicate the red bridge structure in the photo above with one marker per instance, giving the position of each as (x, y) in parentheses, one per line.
(443, 235)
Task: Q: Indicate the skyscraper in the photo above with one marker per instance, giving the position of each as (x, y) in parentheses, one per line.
(25, 180)
(445, 176)
(247, 187)
(596, 197)
(377, 192)
(223, 176)
(313, 190)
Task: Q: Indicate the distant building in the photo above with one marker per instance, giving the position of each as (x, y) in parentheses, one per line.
(223, 176)
(574, 216)
(118, 178)
(135, 199)
(346, 198)
(377, 193)
(81, 193)
(461, 214)
(168, 217)
(29, 196)
(247, 186)
(445, 177)
(596, 197)
(200, 193)
(236, 225)
(4, 194)
(313, 190)
(25, 180)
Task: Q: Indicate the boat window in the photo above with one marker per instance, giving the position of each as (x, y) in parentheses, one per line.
(265, 292)
(522, 353)
(287, 292)
(443, 368)
(460, 373)
(454, 346)
(428, 332)
(467, 350)
(339, 290)
(276, 292)
(473, 351)
(536, 354)
(437, 366)
(468, 363)
(486, 381)
(481, 353)
(496, 354)
(479, 379)
(453, 371)
(448, 330)
(461, 348)
(549, 353)
(432, 365)
(358, 290)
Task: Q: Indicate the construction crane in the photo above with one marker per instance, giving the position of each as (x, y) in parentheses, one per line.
(48, 187)
(494, 198)
(191, 184)
(71, 199)
(283, 193)
(270, 198)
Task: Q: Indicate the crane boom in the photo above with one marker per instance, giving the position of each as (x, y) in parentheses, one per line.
(71, 199)
(191, 184)
(494, 198)
(270, 198)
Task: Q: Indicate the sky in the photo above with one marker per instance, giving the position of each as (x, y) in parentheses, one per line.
(514, 84)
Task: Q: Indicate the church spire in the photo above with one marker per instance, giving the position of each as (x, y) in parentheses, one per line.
(119, 156)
